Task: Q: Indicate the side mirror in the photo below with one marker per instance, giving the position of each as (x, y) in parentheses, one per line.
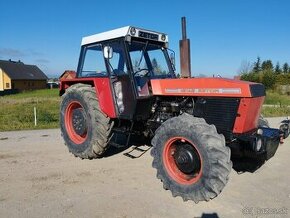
(108, 52)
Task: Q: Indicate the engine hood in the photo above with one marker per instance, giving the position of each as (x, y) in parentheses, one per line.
(218, 87)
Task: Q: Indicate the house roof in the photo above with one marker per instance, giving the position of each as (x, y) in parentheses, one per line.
(68, 74)
(21, 71)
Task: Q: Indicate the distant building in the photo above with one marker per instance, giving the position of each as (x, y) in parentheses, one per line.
(237, 77)
(52, 85)
(68, 74)
(19, 76)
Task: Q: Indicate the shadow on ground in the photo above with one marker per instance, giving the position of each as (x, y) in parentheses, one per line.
(208, 215)
(242, 165)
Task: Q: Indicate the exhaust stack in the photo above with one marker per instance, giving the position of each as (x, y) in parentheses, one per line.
(184, 46)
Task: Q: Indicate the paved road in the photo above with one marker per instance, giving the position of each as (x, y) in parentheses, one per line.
(40, 178)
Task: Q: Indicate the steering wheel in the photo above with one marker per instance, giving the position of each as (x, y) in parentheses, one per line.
(140, 70)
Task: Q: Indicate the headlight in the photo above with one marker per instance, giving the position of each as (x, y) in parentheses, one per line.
(258, 144)
(260, 132)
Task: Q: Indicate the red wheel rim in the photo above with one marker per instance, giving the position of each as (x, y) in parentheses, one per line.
(69, 123)
(172, 167)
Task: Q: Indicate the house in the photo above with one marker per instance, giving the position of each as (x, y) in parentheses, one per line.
(68, 74)
(19, 76)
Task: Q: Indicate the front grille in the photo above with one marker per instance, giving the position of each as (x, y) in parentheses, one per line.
(221, 112)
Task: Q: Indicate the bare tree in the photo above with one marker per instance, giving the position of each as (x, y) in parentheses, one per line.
(246, 67)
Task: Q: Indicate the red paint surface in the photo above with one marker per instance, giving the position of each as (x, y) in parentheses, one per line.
(200, 87)
(76, 138)
(171, 167)
(103, 92)
(248, 114)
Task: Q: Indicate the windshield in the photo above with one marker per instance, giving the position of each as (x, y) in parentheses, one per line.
(149, 60)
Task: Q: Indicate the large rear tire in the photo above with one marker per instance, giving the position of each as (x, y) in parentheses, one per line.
(191, 158)
(86, 130)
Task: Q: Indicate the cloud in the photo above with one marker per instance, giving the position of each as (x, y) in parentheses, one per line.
(10, 52)
(34, 53)
(42, 61)
(17, 53)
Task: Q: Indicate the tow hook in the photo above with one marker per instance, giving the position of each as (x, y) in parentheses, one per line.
(281, 138)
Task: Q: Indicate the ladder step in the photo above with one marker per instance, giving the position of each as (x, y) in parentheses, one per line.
(139, 149)
(136, 155)
(129, 155)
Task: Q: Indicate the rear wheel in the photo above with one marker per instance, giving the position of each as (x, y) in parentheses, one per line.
(191, 158)
(85, 129)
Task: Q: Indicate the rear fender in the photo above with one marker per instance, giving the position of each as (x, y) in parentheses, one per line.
(103, 92)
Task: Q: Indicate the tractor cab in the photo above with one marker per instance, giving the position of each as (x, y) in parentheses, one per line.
(130, 57)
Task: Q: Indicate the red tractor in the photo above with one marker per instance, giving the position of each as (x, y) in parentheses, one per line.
(126, 84)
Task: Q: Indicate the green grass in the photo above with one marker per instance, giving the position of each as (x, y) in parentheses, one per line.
(42, 93)
(275, 98)
(17, 111)
(276, 111)
(280, 105)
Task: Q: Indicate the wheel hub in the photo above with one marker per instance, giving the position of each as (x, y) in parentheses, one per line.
(79, 121)
(186, 159)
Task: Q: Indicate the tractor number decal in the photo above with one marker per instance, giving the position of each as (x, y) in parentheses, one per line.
(204, 90)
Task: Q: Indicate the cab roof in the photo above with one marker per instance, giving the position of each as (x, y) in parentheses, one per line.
(123, 32)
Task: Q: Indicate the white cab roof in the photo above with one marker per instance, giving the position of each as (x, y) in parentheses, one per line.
(125, 31)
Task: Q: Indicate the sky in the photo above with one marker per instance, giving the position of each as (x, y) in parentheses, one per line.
(223, 34)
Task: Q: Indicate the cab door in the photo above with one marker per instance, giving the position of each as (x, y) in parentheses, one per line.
(123, 91)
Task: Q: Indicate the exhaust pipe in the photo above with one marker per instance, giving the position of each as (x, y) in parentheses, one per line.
(184, 46)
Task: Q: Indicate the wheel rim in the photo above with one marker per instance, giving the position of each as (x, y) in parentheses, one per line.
(182, 160)
(75, 122)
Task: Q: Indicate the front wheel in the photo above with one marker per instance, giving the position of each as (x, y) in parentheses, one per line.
(191, 158)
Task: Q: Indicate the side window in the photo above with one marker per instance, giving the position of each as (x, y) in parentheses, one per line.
(94, 63)
(118, 61)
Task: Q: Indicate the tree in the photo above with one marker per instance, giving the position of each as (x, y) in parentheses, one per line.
(277, 68)
(267, 65)
(268, 79)
(156, 67)
(257, 65)
(286, 68)
(245, 68)
(154, 63)
(252, 76)
(136, 65)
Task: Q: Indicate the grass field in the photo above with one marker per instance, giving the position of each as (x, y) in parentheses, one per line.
(16, 111)
(278, 105)
(274, 98)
